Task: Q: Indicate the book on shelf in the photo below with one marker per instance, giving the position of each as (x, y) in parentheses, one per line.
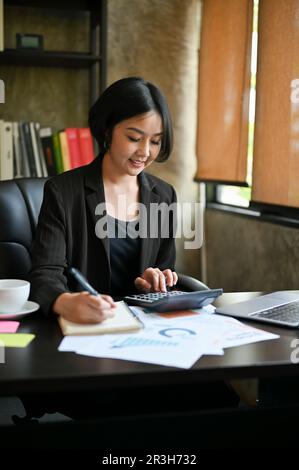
(80, 146)
(124, 320)
(17, 160)
(36, 156)
(24, 164)
(65, 153)
(57, 153)
(74, 146)
(86, 145)
(6, 151)
(29, 150)
(46, 137)
(41, 153)
(1, 144)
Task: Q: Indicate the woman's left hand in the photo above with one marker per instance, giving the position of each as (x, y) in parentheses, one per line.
(153, 279)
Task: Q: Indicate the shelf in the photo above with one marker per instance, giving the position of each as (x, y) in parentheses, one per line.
(94, 60)
(86, 5)
(47, 58)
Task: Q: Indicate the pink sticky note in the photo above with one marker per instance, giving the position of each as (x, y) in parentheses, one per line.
(9, 326)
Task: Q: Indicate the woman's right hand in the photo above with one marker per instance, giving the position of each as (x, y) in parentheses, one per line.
(83, 307)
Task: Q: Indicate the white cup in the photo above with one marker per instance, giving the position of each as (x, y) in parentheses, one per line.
(13, 295)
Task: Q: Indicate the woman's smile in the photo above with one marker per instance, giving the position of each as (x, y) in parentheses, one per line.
(137, 163)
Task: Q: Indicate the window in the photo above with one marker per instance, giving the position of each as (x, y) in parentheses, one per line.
(236, 195)
(272, 144)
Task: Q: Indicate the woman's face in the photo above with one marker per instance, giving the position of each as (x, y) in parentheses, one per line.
(136, 143)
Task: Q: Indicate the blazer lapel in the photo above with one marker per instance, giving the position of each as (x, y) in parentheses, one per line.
(94, 195)
(147, 197)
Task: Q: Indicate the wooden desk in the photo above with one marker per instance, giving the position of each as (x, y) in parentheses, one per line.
(40, 368)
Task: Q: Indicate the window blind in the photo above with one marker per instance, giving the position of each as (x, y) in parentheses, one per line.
(276, 141)
(223, 91)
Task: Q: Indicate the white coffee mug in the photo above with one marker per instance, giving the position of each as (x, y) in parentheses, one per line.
(13, 295)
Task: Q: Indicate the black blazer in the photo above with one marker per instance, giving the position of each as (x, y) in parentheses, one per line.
(66, 235)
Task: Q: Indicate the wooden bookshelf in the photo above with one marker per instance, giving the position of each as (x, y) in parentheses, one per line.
(75, 49)
(47, 58)
(95, 59)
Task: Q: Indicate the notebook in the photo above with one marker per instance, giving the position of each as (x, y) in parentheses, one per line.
(123, 320)
(279, 308)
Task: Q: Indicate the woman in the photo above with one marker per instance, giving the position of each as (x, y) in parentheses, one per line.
(132, 126)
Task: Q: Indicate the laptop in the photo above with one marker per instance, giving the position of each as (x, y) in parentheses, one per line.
(280, 308)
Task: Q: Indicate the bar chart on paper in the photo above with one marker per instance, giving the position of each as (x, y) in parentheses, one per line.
(128, 342)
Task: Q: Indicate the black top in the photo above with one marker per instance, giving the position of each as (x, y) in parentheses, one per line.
(124, 255)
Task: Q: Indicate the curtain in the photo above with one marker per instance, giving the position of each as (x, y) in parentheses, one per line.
(223, 91)
(276, 141)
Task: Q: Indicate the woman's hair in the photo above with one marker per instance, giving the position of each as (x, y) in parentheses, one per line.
(125, 99)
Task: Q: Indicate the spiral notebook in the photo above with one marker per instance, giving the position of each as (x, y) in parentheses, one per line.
(123, 320)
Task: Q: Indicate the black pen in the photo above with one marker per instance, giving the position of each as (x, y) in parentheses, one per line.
(82, 281)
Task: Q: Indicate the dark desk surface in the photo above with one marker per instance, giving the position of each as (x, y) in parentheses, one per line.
(42, 368)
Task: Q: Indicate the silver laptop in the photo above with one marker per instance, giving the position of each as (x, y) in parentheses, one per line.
(279, 308)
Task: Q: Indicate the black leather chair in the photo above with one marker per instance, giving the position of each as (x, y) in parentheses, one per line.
(20, 203)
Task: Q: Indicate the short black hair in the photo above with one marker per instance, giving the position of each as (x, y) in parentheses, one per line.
(124, 99)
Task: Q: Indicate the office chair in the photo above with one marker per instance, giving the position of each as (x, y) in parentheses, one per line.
(20, 203)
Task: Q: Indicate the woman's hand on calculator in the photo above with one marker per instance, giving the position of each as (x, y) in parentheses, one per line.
(155, 280)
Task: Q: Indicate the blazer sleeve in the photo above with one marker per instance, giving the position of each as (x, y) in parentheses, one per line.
(49, 251)
(167, 252)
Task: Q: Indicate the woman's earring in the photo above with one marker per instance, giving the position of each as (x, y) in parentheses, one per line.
(105, 145)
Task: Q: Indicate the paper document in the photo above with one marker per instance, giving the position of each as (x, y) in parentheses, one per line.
(162, 342)
(123, 320)
(176, 340)
(15, 340)
(9, 326)
(231, 332)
